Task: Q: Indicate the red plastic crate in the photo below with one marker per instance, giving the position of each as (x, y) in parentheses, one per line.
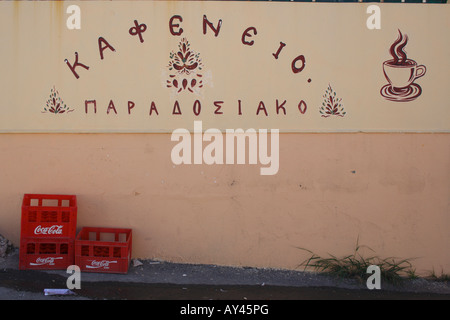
(106, 250)
(49, 216)
(46, 253)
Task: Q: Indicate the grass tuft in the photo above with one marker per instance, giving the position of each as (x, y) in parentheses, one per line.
(441, 278)
(355, 266)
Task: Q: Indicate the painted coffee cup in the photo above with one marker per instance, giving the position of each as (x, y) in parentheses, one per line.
(402, 75)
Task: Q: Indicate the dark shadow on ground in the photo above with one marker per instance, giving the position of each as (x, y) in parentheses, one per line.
(35, 281)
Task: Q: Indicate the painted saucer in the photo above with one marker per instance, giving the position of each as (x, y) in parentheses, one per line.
(401, 94)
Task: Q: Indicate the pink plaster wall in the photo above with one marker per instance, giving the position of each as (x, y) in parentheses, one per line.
(391, 190)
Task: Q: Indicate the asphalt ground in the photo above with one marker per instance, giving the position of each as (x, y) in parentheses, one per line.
(191, 286)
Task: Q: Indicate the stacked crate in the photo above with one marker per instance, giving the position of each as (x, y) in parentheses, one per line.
(106, 250)
(48, 238)
(48, 231)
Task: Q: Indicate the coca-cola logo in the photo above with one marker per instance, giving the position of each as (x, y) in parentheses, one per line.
(55, 229)
(45, 261)
(100, 264)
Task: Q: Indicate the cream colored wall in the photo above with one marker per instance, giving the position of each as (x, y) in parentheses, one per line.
(338, 48)
(391, 190)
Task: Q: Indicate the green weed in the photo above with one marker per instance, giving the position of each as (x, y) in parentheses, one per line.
(442, 278)
(355, 266)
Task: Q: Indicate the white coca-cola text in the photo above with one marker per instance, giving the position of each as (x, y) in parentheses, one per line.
(41, 261)
(55, 229)
(100, 264)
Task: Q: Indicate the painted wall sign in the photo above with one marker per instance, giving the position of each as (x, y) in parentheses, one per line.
(139, 66)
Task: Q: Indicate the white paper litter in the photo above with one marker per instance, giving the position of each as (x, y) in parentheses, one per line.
(137, 263)
(58, 292)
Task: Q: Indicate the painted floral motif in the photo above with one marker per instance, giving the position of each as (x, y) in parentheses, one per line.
(331, 105)
(184, 69)
(55, 104)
